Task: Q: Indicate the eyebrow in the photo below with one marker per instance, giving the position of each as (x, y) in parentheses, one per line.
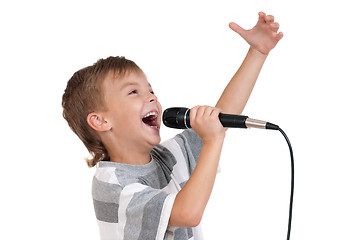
(132, 83)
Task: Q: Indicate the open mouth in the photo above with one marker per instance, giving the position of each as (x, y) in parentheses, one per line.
(150, 119)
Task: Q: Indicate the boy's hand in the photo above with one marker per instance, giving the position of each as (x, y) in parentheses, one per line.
(263, 36)
(205, 122)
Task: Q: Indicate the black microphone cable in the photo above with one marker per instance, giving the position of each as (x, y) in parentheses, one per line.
(292, 183)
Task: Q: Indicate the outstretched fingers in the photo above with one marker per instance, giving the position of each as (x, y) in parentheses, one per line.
(238, 29)
(264, 36)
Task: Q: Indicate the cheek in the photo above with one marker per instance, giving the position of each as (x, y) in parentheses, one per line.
(131, 116)
(160, 113)
(123, 115)
(159, 107)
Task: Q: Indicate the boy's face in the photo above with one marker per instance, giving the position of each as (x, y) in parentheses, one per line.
(133, 110)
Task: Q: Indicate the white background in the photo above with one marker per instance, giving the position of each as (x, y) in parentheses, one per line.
(309, 86)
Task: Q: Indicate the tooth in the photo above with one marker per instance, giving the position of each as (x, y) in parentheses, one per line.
(150, 113)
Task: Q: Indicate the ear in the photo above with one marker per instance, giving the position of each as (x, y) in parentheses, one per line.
(97, 122)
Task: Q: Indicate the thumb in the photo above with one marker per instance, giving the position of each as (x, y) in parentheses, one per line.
(238, 29)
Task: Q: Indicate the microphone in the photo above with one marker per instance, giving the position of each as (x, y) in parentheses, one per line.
(178, 117)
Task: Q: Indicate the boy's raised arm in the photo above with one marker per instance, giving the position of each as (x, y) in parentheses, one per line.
(262, 38)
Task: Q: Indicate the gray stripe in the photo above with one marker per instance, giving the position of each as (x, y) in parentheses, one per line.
(128, 174)
(143, 207)
(106, 212)
(193, 142)
(180, 234)
(105, 192)
(190, 232)
(152, 212)
(191, 146)
(165, 161)
(183, 233)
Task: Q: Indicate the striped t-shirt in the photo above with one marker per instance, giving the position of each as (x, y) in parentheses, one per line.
(135, 201)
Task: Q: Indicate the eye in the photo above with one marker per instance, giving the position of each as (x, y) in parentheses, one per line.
(133, 92)
(152, 92)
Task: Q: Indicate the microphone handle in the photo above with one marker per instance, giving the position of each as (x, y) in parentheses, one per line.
(233, 121)
(178, 117)
(227, 120)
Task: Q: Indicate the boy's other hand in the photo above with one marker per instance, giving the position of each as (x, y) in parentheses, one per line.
(205, 122)
(263, 36)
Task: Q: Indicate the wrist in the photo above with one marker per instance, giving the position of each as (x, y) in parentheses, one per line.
(253, 51)
(213, 141)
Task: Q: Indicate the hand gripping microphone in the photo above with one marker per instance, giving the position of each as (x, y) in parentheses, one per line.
(178, 117)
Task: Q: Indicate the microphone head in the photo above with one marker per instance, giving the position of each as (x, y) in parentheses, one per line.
(175, 117)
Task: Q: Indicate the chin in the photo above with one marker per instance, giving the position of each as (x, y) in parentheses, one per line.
(151, 139)
(156, 141)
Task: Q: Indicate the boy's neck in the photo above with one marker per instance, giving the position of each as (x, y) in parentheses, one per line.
(127, 151)
(130, 157)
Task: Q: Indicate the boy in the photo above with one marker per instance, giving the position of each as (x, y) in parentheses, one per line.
(143, 189)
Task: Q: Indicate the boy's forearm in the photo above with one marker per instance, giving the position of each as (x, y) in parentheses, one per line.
(191, 201)
(236, 94)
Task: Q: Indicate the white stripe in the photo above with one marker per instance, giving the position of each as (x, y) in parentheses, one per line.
(164, 217)
(180, 170)
(108, 231)
(197, 233)
(125, 197)
(106, 175)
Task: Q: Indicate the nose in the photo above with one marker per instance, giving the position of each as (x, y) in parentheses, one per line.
(152, 98)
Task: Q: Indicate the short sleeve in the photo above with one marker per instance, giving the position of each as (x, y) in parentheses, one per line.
(144, 212)
(191, 146)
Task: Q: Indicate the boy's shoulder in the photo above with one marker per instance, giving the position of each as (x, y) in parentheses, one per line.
(121, 174)
(155, 174)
